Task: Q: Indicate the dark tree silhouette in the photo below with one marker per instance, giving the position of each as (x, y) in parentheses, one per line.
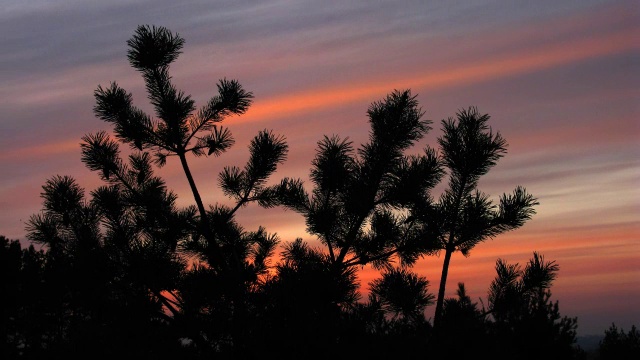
(128, 272)
(526, 323)
(375, 206)
(520, 321)
(132, 234)
(464, 216)
(176, 132)
(619, 345)
(303, 303)
(463, 329)
(234, 258)
(24, 322)
(109, 261)
(402, 294)
(355, 207)
(402, 297)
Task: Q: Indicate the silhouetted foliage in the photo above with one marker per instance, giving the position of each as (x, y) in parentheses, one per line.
(619, 345)
(124, 252)
(233, 259)
(107, 283)
(526, 323)
(520, 321)
(464, 216)
(355, 209)
(125, 271)
(355, 206)
(402, 294)
(375, 206)
(26, 326)
(463, 332)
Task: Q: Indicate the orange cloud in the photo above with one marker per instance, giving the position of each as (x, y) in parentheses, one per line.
(464, 73)
(461, 74)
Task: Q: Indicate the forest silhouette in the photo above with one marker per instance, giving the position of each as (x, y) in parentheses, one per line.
(125, 272)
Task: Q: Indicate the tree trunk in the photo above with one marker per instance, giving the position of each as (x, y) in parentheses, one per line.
(443, 283)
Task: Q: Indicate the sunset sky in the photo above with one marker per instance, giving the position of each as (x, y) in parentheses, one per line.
(560, 80)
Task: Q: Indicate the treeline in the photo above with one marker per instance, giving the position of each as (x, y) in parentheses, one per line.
(59, 307)
(126, 272)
